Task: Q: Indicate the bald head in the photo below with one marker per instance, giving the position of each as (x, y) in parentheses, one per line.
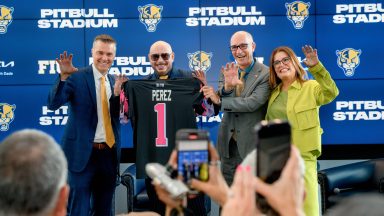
(161, 57)
(160, 45)
(243, 35)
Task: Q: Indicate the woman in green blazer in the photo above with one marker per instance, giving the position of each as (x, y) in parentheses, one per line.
(297, 100)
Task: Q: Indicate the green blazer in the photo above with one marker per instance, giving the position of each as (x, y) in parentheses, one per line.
(303, 103)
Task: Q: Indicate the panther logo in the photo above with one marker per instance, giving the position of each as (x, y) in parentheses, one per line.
(297, 13)
(348, 60)
(199, 60)
(150, 16)
(6, 115)
(5, 18)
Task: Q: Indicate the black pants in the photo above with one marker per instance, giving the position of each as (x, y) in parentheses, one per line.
(229, 164)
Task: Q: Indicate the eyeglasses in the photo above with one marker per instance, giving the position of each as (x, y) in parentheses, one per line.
(164, 56)
(242, 46)
(285, 61)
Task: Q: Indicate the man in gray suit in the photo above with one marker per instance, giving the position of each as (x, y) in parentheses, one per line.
(242, 94)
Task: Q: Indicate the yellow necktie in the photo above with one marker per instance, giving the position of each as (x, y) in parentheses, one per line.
(240, 87)
(110, 138)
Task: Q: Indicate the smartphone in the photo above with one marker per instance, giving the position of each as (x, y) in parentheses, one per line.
(192, 154)
(273, 147)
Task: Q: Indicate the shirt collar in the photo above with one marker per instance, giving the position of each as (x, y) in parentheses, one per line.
(296, 84)
(249, 68)
(97, 74)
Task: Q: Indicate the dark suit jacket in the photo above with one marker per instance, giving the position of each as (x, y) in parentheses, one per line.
(244, 112)
(80, 93)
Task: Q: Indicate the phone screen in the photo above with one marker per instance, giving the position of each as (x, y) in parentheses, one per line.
(273, 150)
(193, 159)
(273, 153)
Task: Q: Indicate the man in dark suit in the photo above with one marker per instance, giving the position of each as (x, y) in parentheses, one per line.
(242, 95)
(91, 141)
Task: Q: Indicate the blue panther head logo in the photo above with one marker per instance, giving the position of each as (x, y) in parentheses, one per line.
(150, 16)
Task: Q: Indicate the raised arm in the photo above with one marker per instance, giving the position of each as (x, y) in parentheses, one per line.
(66, 66)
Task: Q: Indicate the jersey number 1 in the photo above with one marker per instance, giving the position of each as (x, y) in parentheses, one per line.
(161, 139)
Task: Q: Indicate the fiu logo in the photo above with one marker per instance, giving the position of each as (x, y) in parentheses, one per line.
(5, 18)
(348, 60)
(6, 115)
(199, 60)
(150, 16)
(297, 13)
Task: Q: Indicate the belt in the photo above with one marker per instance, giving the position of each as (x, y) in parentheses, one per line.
(100, 146)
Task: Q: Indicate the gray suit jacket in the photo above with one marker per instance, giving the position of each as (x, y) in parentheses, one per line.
(244, 112)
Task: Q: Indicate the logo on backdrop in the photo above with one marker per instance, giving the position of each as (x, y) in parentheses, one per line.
(126, 65)
(57, 117)
(150, 16)
(225, 16)
(348, 59)
(210, 121)
(199, 60)
(48, 66)
(5, 18)
(77, 18)
(359, 13)
(297, 13)
(359, 110)
(130, 66)
(7, 115)
(6, 65)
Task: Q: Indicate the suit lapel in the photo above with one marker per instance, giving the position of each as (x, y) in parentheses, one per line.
(111, 82)
(251, 80)
(91, 84)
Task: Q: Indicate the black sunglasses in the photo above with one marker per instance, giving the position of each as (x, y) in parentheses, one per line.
(164, 56)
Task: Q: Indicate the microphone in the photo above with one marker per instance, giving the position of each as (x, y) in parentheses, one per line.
(158, 172)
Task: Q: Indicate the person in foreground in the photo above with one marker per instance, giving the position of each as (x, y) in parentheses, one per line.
(91, 141)
(33, 172)
(285, 195)
(298, 100)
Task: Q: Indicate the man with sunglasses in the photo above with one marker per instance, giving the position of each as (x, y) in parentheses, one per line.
(176, 99)
(242, 95)
(161, 57)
